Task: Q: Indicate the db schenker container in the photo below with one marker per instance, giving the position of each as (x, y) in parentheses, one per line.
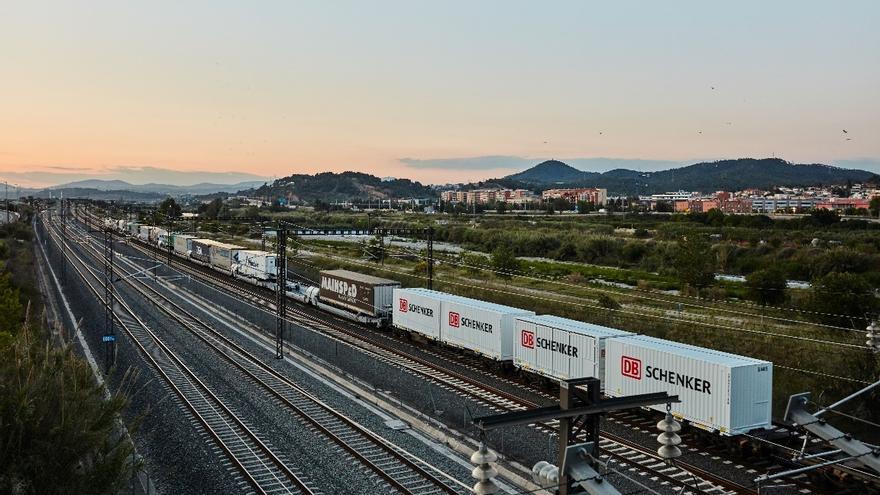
(222, 254)
(483, 327)
(357, 292)
(182, 243)
(721, 392)
(560, 348)
(254, 264)
(201, 249)
(418, 310)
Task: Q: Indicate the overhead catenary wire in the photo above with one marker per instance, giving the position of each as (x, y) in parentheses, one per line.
(791, 368)
(518, 273)
(668, 318)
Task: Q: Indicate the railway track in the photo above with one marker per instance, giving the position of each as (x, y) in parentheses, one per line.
(620, 451)
(267, 472)
(401, 471)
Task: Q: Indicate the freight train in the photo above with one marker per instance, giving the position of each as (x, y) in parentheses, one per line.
(721, 392)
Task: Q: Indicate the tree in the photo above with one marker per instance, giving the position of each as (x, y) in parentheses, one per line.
(584, 207)
(766, 287)
(504, 260)
(211, 210)
(694, 262)
(874, 206)
(843, 299)
(501, 207)
(169, 208)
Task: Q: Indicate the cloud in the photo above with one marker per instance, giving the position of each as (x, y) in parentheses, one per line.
(867, 163)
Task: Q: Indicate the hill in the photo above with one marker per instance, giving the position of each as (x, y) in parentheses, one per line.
(345, 186)
(726, 175)
(551, 171)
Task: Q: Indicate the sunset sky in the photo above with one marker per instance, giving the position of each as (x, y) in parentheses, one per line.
(443, 91)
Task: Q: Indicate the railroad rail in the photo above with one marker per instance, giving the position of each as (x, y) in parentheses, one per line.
(401, 471)
(267, 472)
(623, 451)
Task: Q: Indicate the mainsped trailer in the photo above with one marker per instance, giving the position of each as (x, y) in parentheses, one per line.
(722, 392)
(363, 295)
(560, 348)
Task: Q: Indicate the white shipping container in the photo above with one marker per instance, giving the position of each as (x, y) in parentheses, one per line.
(418, 310)
(221, 255)
(155, 232)
(560, 348)
(483, 327)
(182, 243)
(254, 264)
(133, 228)
(718, 391)
(144, 232)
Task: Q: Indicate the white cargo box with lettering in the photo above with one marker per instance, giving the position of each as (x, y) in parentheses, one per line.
(483, 327)
(722, 392)
(560, 348)
(418, 310)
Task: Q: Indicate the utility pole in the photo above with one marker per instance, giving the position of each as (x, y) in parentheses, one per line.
(430, 258)
(280, 288)
(63, 241)
(109, 300)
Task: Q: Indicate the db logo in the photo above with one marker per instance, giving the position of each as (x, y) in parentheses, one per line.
(454, 319)
(631, 367)
(528, 339)
(404, 305)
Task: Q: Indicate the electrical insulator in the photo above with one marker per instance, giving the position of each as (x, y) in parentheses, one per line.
(485, 471)
(873, 337)
(668, 438)
(545, 474)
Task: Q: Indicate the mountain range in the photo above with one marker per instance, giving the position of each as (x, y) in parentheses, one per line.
(167, 189)
(726, 175)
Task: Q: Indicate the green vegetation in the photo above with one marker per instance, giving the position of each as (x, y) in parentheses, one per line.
(58, 434)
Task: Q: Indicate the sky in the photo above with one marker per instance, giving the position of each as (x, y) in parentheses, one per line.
(434, 91)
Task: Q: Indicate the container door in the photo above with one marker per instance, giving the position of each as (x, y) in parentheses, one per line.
(545, 356)
(580, 355)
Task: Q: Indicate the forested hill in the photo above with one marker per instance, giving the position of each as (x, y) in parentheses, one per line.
(330, 186)
(727, 175)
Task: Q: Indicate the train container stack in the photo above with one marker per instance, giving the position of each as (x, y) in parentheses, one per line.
(721, 392)
(560, 348)
(364, 294)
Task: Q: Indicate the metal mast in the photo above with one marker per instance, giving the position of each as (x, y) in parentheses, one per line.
(280, 288)
(109, 330)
